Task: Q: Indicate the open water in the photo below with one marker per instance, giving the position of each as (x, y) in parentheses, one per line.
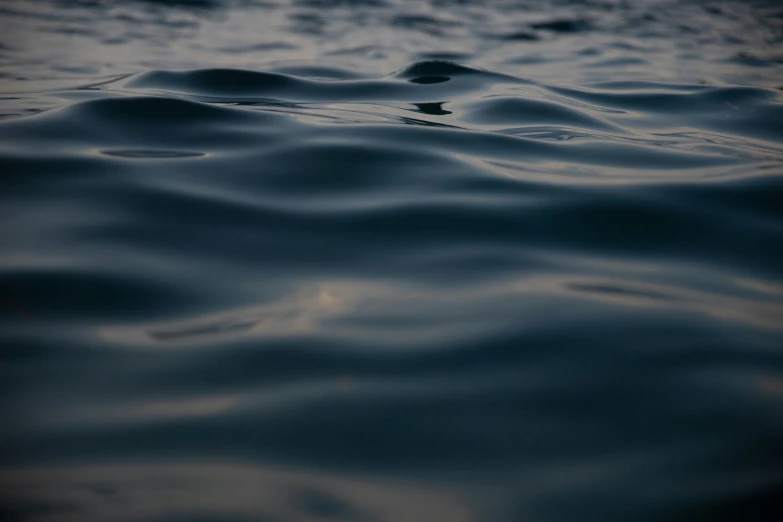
(391, 261)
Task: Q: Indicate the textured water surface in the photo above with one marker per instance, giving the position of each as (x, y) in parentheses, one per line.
(391, 260)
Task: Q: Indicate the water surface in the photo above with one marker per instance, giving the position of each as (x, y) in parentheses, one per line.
(390, 260)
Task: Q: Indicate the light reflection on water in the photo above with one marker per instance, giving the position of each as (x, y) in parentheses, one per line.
(218, 491)
(355, 309)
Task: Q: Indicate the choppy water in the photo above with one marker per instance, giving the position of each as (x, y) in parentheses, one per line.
(391, 260)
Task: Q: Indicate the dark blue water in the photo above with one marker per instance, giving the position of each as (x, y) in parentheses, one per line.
(391, 261)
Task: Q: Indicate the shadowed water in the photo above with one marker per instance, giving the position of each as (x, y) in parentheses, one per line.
(391, 260)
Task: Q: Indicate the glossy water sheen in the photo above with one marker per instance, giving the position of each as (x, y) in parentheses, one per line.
(389, 260)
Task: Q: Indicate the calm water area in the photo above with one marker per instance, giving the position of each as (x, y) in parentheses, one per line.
(391, 260)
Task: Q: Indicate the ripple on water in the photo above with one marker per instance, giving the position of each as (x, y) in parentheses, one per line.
(148, 153)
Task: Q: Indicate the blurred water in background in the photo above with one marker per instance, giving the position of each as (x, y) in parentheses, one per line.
(391, 260)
